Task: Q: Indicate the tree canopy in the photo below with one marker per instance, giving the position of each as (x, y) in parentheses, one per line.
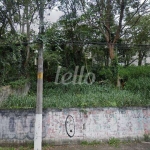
(91, 33)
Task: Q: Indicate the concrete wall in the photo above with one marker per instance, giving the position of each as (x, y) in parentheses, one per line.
(73, 125)
(6, 91)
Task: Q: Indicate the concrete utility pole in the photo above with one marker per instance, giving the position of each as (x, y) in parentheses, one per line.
(38, 117)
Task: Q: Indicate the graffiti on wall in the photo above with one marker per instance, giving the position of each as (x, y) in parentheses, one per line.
(19, 127)
(70, 126)
(94, 124)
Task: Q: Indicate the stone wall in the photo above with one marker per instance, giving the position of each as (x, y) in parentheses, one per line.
(6, 91)
(73, 125)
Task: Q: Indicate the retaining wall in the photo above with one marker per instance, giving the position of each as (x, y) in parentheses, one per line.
(6, 91)
(73, 125)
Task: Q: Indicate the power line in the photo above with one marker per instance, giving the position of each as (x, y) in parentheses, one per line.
(123, 45)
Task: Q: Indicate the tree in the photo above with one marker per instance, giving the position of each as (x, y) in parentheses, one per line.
(17, 14)
(7, 10)
(111, 18)
(100, 15)
(70, 24)
(140, 35)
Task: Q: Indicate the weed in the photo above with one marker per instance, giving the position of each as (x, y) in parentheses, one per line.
(18, 83)
(147, 137)
(114, 142)
(84, 143)
(79, 96)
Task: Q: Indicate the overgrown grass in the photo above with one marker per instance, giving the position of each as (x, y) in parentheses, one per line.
(139, 85)
(80, 96)
(134, 72)
(135, 93)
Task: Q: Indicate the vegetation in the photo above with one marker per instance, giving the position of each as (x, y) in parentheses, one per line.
(147, 137)
(114, 142)
(98, 35)
(18, 83)
(134, 93)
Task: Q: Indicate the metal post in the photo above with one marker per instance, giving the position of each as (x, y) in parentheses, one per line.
(38, 117)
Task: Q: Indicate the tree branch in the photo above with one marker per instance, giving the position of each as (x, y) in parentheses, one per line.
(120, 22)
(134, 14)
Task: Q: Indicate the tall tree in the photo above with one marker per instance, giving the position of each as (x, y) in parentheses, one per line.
(111, 17)
(70, 23)
(140, 35)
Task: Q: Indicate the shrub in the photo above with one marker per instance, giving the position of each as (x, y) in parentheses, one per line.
(105, 73)
(139, 85)
(18, 83)
(80, 96)
(134, 72)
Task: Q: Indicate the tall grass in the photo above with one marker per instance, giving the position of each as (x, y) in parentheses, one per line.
(60, 96)
(135, 93)
(134, 72)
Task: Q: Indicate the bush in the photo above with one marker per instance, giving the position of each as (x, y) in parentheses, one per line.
(139, 85)
(18, 83)
(134, 72)
(80, 96)
(105, 73)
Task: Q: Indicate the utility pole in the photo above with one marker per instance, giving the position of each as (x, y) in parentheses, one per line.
(39, 103)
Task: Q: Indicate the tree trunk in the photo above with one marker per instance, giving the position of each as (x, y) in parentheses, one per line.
(107, 58)
(114, 64)
(28, 37)
(140, 58)
(111, 51)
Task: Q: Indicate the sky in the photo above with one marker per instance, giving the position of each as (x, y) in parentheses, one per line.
(51, 17)
(54, 15)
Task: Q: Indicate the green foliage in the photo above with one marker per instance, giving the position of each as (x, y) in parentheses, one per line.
(51, 63)
(142, 84)
(7, 148)
(134, 72)
(105, 73)
(78, 96)
(114, 142)
(137, 82)
(108, 72)
(140, 32)
(130, 99)
(19, 102)
(114, 70)
(18, 83)
(147, 137)
(13, 59)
